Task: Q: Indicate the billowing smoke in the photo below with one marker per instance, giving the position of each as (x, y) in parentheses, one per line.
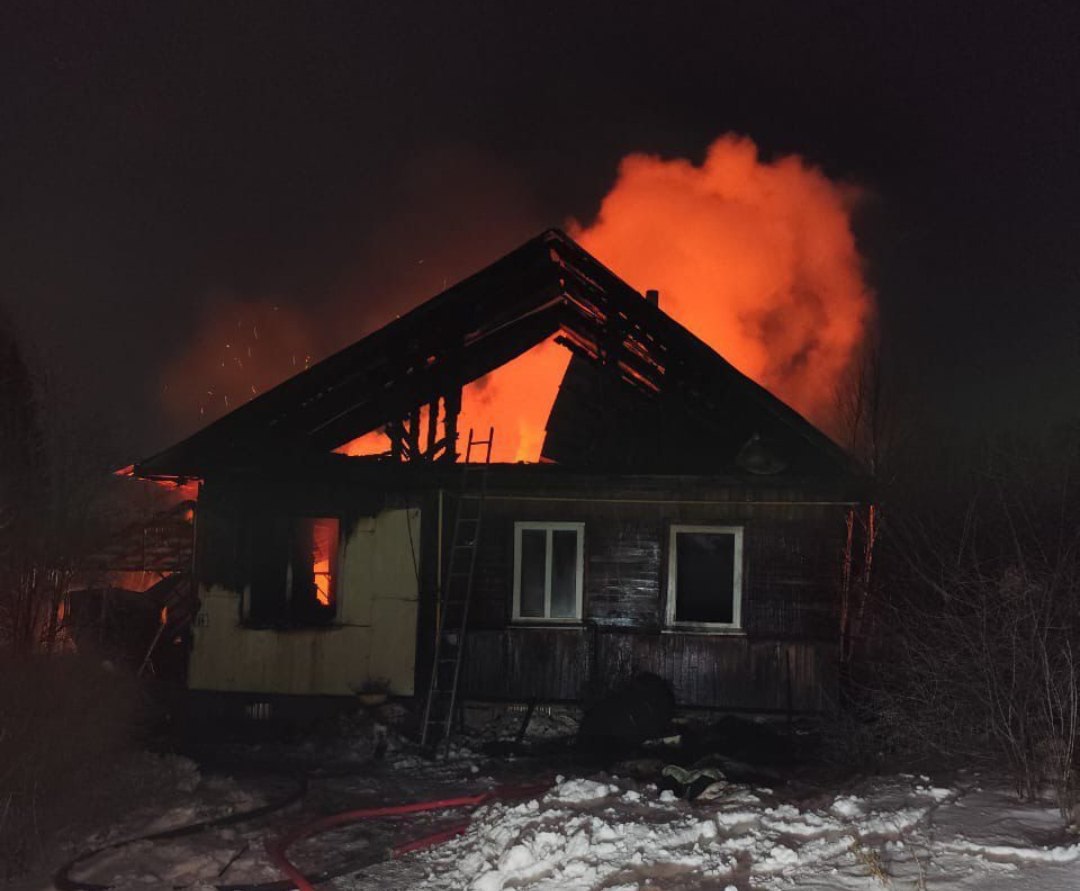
(756, 258)
(454, 209)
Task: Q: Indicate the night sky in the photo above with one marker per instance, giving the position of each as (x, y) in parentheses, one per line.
(158, 159)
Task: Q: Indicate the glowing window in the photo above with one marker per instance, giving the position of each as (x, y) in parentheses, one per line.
(294, 571)
(324, 540)
(314, 566)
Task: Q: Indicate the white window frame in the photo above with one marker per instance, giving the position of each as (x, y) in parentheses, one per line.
(579, 586)
(736, 587)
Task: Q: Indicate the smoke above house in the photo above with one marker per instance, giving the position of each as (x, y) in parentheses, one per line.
(756, 257)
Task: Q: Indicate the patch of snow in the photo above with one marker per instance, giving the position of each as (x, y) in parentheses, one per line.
(581, 790)
(600, 832)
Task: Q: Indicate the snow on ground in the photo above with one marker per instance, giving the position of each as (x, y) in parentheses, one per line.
(611, 832)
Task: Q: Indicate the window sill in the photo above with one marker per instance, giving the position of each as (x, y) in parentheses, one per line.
(568, 624)
(285, 628)
(705, 630)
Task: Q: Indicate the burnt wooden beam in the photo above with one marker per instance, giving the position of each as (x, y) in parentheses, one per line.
(413, 441)
(452, 407)
(433, 422)
(472, 361)
(397, 439)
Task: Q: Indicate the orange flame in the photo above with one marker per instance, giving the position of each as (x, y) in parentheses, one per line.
(325, 533)
(516, 399)
(755, 257)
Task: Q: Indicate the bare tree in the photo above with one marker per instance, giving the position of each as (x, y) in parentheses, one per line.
(52, 481)
(984, 616)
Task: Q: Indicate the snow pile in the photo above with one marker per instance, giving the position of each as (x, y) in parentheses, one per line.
(609, 833)
(616, 834)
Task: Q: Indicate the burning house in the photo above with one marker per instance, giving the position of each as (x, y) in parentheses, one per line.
(680, 520)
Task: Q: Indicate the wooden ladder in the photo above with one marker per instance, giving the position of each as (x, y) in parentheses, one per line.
(454, 597)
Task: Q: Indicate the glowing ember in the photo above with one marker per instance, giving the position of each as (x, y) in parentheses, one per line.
(180, 490)
(242, 348)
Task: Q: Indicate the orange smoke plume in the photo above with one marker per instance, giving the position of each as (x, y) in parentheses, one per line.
(756, 258)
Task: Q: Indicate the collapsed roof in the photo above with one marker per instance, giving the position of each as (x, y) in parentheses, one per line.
(642, 394)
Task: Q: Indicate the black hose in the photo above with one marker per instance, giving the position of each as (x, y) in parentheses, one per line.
(63, 881)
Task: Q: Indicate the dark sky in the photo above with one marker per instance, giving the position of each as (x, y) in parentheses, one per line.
(157, 156)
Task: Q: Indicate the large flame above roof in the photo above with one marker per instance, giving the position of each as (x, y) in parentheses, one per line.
(756, 258)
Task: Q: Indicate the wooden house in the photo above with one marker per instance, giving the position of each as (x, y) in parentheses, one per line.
(682, 519)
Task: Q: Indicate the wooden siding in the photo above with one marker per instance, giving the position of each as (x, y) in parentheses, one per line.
(718, 671)
(791, 561)
(784, 659)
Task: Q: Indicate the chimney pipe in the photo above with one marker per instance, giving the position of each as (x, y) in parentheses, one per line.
(653, 296)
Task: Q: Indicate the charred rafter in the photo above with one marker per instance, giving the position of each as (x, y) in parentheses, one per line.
(549, 286)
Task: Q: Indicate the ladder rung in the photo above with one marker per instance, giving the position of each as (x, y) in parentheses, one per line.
(453, 603)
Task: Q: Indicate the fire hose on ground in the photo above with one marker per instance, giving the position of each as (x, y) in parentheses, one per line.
(277, 849)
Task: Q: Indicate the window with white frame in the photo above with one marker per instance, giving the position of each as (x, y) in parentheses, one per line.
(548, 572)
(705, 569)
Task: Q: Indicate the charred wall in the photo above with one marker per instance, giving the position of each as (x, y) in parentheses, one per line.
(784, 658)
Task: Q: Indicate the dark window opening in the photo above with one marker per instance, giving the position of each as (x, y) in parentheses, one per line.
(705, 578)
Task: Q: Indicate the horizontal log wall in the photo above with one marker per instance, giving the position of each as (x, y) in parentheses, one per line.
(785, 659)
(565, 664)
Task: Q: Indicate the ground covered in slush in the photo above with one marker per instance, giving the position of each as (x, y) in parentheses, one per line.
(627, 825)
